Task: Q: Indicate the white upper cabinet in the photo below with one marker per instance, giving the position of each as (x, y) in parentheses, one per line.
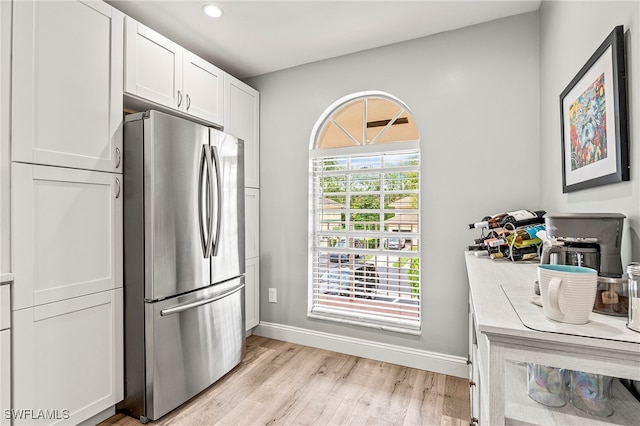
(242, 119)
(66, 233)
(67, 84)
(203, 88)
(153, 65)
(160, 71)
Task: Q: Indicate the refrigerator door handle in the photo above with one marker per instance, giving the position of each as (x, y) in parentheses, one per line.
(191, 305)
(205, 239)
(216, 160)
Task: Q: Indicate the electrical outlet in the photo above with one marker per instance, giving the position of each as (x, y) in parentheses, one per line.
(273, 295)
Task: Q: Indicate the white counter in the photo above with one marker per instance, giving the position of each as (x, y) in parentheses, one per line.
(491, 280)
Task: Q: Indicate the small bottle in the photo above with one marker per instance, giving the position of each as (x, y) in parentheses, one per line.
(488, 221)
(497, 242)
(526, 234)
(476, 247)
(516, 254)
(521, 218)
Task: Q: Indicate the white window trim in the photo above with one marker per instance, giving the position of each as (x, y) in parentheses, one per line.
(328, 314)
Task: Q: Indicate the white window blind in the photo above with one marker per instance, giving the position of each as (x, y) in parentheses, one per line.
(366, 238)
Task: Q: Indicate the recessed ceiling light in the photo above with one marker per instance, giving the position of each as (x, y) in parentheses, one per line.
(212, 10)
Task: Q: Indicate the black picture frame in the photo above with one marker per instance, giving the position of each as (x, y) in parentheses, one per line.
(593, 117)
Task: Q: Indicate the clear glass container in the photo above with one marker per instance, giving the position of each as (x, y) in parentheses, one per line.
(633, 271)
(546, 385)
(591, 393)
(612, 297)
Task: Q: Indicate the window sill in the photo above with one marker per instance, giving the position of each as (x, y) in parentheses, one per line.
(342, 319)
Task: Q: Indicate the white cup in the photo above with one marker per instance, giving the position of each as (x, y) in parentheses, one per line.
(567, 292)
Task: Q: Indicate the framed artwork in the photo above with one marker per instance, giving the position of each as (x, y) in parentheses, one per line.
(593, 112)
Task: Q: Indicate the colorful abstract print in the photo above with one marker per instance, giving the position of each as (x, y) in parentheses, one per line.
(588, 126)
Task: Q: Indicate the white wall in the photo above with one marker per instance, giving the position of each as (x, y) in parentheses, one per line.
(474, 94)
(570, 32)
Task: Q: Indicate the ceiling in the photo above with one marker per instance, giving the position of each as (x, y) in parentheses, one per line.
(257, 37)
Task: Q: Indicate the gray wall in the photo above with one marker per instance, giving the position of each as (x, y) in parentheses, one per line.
(569, 34)
(474, 93)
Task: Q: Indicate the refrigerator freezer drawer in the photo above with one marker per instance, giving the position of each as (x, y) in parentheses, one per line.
(192, 341)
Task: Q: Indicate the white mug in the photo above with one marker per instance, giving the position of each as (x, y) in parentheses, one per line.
(568, 292)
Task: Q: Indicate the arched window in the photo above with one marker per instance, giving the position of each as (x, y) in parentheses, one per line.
(364, 240)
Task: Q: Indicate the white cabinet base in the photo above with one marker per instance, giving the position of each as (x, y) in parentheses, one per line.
(252, 293)
(70, 358)
(5, 376)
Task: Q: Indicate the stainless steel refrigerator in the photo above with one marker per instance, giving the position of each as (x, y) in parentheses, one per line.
(183, 260)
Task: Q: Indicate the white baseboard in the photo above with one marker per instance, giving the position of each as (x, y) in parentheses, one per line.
(408, 357)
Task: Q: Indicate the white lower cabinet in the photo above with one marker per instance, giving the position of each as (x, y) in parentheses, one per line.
(252, 257)
(5, 376)
(69, 366)
(66, 232)
(252, 293)
(252, 222)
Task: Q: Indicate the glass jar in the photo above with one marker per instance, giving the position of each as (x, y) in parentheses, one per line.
(612, 297)
(546, 385)
(633, 271)
(591, 393)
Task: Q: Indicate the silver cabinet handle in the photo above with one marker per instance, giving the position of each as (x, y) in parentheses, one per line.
(187, 306)
(117, 188)
(179, 98)
(118, 157)
(188, 102)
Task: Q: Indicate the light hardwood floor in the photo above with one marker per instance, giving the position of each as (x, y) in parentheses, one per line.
(284, 383)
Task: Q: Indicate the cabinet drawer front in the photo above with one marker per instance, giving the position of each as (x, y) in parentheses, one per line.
(68, 357)
(153, 65)
(67, 84)
(67, 233)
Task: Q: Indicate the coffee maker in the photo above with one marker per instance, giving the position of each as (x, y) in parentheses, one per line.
(592, 240)
(585, 239)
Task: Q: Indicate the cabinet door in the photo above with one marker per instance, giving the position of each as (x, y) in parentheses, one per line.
(67, 84)
(67, 233)
(203, 88)
(242, 119)
(153, 66)
(252, 222)
(5, 122)
(252, 293)
(5, 376)
(68, 358)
